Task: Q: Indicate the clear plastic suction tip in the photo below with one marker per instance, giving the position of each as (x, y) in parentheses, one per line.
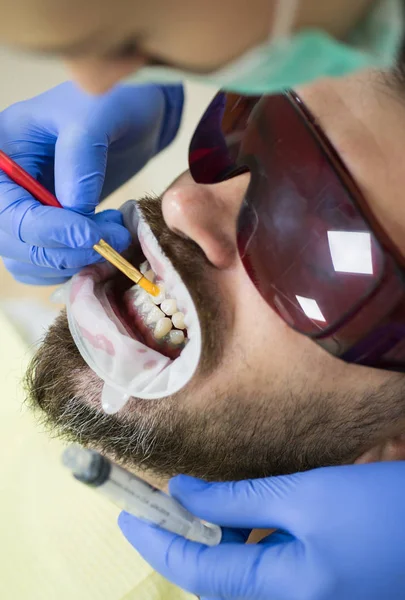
(77, 459)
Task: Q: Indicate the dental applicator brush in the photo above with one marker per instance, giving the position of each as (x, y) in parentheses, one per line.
(31, 185)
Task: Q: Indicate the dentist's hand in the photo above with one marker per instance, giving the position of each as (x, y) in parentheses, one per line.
(341, 536)
(81, 148)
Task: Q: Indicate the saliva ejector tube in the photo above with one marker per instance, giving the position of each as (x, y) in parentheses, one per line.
(137, 497)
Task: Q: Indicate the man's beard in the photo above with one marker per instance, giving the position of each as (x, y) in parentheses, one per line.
(221, 436)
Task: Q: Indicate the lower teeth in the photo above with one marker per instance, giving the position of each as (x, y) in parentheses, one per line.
(163, 326)
(176, 337)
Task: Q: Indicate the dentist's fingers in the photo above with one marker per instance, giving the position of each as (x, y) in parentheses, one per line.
(63, 260)
(23, 272)
(226, 571)
(31, 275)
(80, 166)
(257, 503)
(120, 128)
(25, 219)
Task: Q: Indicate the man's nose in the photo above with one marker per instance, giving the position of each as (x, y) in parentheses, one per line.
(206, 214)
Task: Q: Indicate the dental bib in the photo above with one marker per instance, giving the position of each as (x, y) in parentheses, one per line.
(128, 367)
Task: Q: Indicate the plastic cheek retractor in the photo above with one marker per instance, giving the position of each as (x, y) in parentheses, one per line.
(128, 367)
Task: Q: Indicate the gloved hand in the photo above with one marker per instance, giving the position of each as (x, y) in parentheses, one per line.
(341, 536)
(81, 148)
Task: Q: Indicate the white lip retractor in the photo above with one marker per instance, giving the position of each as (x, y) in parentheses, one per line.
(128, 367)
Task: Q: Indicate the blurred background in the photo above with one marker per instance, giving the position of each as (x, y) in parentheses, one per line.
(60, 539)
(23, 77)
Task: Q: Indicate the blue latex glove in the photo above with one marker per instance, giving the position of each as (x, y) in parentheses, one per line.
(81, 148)
(341, 536)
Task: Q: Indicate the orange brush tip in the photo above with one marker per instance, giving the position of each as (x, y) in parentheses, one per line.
(149, 287)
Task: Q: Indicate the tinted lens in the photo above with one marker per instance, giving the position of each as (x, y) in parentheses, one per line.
(302, 238)
(214, 149)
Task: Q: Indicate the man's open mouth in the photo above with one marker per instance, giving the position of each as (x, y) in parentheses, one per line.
(142, 346)
(157, 321)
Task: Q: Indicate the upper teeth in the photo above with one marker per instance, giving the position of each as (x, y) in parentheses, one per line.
(178, 320)
(169, 306)
(147, 306)
(154, 315)
(140, 297)
(144, 267)
(160, 297)
(150, 275)
(159, 309)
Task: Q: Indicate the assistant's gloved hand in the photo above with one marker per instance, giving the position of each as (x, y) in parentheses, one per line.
(341, 536)
(81, 148)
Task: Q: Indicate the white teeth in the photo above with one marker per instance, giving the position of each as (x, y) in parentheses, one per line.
(154, 315)
(169, 306)
(178, 320)
(147, 306)
(176, 337)
(140, 297)
(144, 267)
(160, 297)
(150, 275)
(163, 326)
